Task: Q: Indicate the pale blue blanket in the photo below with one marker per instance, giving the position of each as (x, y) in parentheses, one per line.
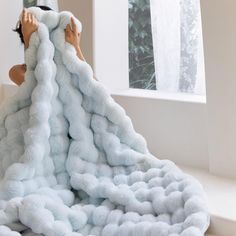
(100, 180)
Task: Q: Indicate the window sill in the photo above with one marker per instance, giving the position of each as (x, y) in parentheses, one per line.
(221, 194)
(139, 93)
(151, 94)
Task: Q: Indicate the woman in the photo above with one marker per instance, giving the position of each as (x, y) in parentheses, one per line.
(27, 26)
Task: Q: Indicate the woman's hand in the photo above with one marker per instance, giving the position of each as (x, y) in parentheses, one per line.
(72, 36)
(29, 26)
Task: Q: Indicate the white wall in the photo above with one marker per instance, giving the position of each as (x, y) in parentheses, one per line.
(10, 46)
(219, 32)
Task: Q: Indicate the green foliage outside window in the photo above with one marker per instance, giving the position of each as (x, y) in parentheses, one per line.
(141, 56)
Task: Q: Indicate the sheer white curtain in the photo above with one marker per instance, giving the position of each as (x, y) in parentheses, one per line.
(50, 3)
(178, 45)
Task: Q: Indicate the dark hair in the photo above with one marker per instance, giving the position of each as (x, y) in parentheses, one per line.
(18, 28)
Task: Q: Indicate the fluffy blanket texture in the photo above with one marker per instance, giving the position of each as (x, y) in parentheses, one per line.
(71, 162)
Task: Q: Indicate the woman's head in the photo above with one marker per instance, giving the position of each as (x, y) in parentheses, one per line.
(18, 28)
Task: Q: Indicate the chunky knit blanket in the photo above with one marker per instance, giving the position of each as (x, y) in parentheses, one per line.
(71, 163)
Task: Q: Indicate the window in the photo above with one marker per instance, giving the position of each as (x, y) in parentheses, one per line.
(141, 56)
(166, 46)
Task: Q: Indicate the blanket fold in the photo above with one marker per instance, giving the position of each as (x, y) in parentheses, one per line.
(71, 163)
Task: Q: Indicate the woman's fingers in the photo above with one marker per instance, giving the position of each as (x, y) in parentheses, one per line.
(68, 29)
(30, 17)
(34, 20)
(27, 16)
(24, 15)
(74, 27)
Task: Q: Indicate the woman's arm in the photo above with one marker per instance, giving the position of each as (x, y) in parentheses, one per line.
(79, 53)
(29, 26)
(72, 36)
